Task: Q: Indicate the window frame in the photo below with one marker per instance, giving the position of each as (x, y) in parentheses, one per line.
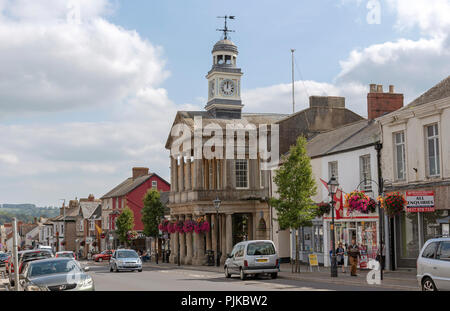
(246, 173)
(368, 185)
(437, 149)
(437, 253)
(403, 145)
(154, 184)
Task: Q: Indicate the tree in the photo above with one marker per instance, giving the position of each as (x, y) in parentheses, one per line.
(152, 213)
(296, 187)
(124, 223)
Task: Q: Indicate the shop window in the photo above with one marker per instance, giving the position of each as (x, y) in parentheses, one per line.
(433, 150)
(430, 250)
(444, 251)
(399, 155)
(409, 236)
(434, 224)
(318, 239)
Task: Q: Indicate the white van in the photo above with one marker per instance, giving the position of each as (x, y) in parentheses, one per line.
(252, 258)
(433, 265)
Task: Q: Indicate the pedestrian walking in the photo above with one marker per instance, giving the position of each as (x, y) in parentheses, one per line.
(353, 254)
(340, 252)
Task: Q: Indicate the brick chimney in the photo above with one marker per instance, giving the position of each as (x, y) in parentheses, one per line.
(380, 103)
(139, 171)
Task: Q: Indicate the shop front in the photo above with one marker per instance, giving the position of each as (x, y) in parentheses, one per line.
(361, 227)
(425, 217)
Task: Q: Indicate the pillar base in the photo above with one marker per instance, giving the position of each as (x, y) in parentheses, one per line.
(200, 261)
(187, 260)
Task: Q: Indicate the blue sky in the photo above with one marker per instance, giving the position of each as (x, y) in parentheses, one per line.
(84, 100)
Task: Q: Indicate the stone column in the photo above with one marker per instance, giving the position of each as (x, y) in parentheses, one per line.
(201, 258)
(188, 174)
(181, 181)
(196, 246)
(229, 235)
(189, 250)
(175, 174)
(208, 234)
(175, 245)
(223, 243)
(251, 225)
(214, 234)
(198, 175)
(182, 243)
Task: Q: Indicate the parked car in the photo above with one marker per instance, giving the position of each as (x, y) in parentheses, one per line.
(49, 248)
(252, 258)
(105, 255)
(29, 256)
(67, 254)
(433, 265)
(125, 259)
(56, 274)
(3, 259)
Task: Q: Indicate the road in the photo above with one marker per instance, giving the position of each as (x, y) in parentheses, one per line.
(167, 279)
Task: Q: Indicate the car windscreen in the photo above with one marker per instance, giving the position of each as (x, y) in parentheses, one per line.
(127, 254)
(39, 268)
(263, 248)
(27, 256)
(67, 255)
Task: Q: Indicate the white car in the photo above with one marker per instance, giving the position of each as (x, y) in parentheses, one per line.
(433, 265)
(125, 259)
(252, 258)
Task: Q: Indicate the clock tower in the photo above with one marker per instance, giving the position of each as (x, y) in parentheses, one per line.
(224, 82)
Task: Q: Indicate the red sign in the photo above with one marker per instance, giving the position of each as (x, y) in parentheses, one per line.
(420, 201)
(339, 206)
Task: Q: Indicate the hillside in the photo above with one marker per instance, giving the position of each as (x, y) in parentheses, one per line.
(25, 212)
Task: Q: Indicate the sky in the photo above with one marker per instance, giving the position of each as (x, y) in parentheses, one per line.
(90, 88)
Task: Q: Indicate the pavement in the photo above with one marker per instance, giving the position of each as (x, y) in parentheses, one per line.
(404, 279)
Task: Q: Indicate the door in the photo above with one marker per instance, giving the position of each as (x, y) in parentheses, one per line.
(442, 266)
(232, 265)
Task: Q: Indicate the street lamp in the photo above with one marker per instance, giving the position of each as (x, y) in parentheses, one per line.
(217, 206)
(332, 188)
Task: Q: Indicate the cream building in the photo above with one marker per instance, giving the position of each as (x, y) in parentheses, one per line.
(416, 157)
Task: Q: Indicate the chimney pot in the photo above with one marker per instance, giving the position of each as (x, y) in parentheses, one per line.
(373, 88)
(391, 89)
(380, 88)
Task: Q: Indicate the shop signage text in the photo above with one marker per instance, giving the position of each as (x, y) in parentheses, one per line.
(420, 201)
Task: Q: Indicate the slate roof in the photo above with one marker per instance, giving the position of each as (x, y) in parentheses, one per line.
(129, 184)
(88, 208)
(207, 118)
(351, 136)
(439, 91)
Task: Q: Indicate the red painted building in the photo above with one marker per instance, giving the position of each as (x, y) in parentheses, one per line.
(129, 193)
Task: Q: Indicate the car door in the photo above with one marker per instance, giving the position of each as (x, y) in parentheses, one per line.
(239, 257)
(442, 266)
(232, 266)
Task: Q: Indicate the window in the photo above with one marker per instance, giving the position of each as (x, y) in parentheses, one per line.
(241, 173)
(91, 225)
(444, 251)
(430, 250)
(260, 248)
(318, 238)
(81, 225)
(399, 155)
(364, 173)
(154, 184)
(433, 150)
(333, 170)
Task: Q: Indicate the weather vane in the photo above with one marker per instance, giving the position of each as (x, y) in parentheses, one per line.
(225, 29)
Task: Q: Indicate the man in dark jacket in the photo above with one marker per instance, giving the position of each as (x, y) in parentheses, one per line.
(353, 254)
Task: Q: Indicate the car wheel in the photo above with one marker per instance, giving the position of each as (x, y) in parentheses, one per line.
(227, 273)
(111, 269)
(428, 285)
(274, 275)
(242, 274)
(100, 259)
(140, 270)
(116, 269)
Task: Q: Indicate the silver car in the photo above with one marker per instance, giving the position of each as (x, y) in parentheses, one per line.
(125, 259)
(433, 265)
(55, 274)
(252, 258)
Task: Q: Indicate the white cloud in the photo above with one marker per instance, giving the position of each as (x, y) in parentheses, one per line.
(8, 158)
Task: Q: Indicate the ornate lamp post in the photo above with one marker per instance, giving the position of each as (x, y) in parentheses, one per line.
(332, 188)
(217, 206)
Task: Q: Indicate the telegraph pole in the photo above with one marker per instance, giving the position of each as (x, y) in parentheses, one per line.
(293, 96)
(14, 255)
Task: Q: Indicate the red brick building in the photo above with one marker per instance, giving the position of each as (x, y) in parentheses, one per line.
(129, 193)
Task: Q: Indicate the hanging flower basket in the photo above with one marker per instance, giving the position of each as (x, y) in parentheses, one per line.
(357, 201)
(179, 227)
(372, 207)
(393, 203)
(201, 225)
(188, 226)
(171, 228)
(131, 235)
(322, 209)
(164, 226)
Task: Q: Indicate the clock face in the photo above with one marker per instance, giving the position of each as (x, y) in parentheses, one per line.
(227, 87)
